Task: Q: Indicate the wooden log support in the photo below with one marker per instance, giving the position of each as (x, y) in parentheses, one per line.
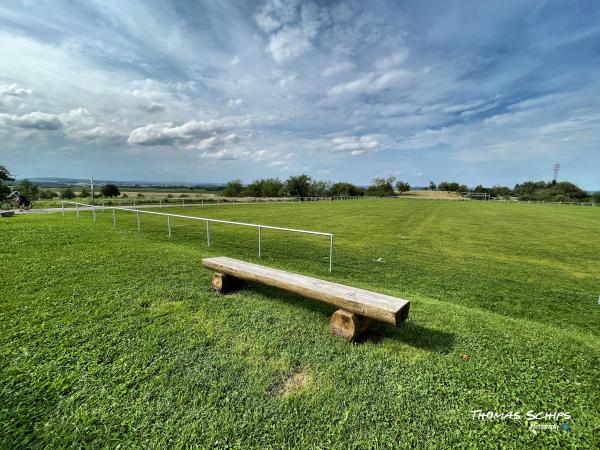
(347, 324)
(7, 213)
(226, 283)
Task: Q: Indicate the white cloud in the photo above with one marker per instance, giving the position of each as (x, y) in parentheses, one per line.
(170, 134)
(13, 90)
(288, 43)
(225, 154)
(155, 107)
(371, 83)
(291, 26)
(34, 120)
(234, 154)
(232, 102)
(338, 68)
(394, 60)
(354, 145)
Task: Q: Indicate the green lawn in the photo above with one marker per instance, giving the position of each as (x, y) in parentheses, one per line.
(112, 337)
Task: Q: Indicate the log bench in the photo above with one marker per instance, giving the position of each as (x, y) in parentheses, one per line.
(357, 306)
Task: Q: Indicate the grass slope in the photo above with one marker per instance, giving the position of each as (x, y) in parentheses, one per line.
(109, 337)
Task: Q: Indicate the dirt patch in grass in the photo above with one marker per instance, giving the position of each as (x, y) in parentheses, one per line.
(292, 383)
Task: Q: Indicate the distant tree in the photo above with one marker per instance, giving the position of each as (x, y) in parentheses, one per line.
(452, 187)
(110, 190)
(318, 188)
(67, 194)
(28, 189)
(432, 186)
(402, 186)
(344, 190)
(234, 188)
(548, 191)
(479, 189)
(140, 195)
(85, 192)
(382, 186)
(596, 197)
(272, 187)
(5, 174)
(500, 191)
(46, 195)
(298, 185)
(254, 189)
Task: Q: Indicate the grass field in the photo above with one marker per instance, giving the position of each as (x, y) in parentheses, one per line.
(112, 337)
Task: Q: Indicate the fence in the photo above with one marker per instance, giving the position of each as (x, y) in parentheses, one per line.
(208, 221)
(183, 202)
(493, 200)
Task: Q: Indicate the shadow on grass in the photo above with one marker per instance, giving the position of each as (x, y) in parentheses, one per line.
(412, 334)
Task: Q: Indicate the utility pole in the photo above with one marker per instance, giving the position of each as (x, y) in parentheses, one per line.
(92, 189)
(556, 169)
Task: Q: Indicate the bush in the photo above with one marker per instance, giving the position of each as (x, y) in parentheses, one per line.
(550, 192)
(452, 187)
(28, 189)
(344, 190)
(382, 187)
(401, 186)
(110, 190)
(46, 195)
(298, 185)
(234, 188)
(4, 191)
(67, 194)
(85, 192)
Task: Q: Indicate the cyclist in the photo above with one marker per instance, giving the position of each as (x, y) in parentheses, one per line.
(20, 199)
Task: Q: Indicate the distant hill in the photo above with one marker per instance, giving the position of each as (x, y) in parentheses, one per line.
(57, 181)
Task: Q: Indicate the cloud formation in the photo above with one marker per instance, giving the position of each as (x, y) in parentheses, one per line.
(436, 90)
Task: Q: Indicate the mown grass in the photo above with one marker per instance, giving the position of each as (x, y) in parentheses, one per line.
(112, 337)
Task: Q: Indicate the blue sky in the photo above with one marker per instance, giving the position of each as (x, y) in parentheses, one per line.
(490, 92)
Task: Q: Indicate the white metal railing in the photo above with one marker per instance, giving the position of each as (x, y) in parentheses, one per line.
(205, 219)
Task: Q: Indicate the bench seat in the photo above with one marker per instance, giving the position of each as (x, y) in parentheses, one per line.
(356, 304)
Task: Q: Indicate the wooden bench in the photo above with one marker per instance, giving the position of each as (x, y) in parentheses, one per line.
(357, 306)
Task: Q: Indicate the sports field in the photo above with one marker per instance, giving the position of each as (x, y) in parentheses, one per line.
(110, 337)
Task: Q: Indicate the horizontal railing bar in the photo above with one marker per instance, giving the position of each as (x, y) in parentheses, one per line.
(268, 227)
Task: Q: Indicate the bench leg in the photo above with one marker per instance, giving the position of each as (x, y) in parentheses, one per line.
(226, 283)
(348, 325)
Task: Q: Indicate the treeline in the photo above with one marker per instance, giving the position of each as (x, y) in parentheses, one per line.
(548, 191)
(34, 192)
(305, 186)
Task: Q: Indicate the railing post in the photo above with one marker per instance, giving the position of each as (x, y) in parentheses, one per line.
(183, 200)
(138, 220)
(208, 233)
(169, 225)
(94, 212)
(159, 203)
(77, 208)
(330, 252)
(114, 219)
(62, 205)
(259, 242)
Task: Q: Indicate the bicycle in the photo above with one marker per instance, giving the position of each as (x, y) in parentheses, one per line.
(12, 204)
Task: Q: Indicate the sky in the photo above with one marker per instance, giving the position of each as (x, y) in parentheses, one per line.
(493, 92)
